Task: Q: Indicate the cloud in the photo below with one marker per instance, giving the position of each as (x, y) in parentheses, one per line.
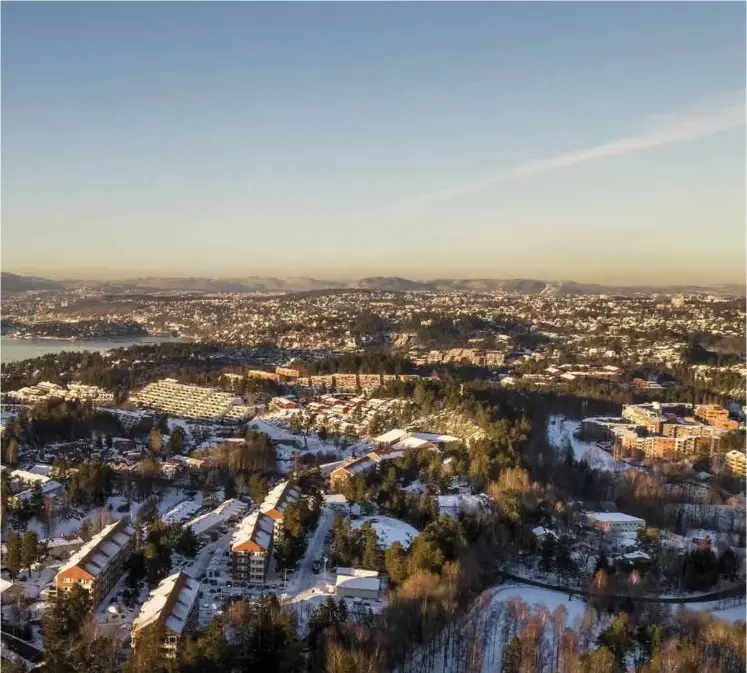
(667, 130)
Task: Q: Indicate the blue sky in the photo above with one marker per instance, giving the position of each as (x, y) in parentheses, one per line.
(599, 142)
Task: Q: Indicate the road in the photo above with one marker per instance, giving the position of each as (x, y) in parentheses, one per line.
(733, 592)
(22, 648)
(305, 577)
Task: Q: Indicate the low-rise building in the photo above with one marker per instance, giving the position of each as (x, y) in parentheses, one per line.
(172, 608)
(358, 583)
(615, 522)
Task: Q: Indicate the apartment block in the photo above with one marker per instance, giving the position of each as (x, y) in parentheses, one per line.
(172, 608)
(99, 563)
(251, 548)
(178, 399)
(713, 414)
(736, 462)
(276, 503)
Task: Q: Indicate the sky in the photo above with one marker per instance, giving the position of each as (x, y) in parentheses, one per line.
(596, 142)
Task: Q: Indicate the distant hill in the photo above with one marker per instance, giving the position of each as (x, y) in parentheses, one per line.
(11, 282)
(15, 283)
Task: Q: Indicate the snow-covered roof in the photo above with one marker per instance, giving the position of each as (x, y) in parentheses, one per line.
(280, 497)
(389, 530)
(539, 531)
(182, 511)
(256, 528)
(614, 517)
(391, 436)
(170, 603)
(29, 477)
(434, 437)
(411, 443)
(96, 554)
(358, 581)
(225, 511)
(5, 585)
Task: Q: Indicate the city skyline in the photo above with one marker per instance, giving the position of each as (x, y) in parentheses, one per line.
(601, 143)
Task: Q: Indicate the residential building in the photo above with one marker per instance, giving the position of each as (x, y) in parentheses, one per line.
(98, 564)
(358, 466)
(615, 522)
(251, 548)
(358, 583)
(713, 414)
(172, 608)
(737, 462)
(276, 503)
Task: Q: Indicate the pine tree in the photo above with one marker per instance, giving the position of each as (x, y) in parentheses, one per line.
(395, 563)
(29, 549)
(85, 530)
(14, 556)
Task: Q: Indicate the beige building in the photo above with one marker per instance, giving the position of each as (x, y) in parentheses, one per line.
(172, 608)
(737, 462)
(251, 548)
(99, 563)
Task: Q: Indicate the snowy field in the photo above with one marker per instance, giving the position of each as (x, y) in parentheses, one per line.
(722, 609)
(389, 530)
(561, 431)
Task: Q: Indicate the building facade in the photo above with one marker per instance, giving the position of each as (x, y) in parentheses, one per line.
(98, 564)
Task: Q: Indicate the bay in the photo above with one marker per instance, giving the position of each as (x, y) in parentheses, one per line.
(13, 350)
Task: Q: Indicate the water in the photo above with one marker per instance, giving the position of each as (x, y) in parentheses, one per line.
(13, 350)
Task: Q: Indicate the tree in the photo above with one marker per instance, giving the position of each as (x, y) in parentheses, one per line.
(371, 551)
(85, 531)
(155, 441)
(14, 556)
(210, 487)
(176, 440)
(12, 451)
(618, 639)
(395, 562)
(257, 488)
(30, 549)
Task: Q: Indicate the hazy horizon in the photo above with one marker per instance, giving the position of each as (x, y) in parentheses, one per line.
(594, 142)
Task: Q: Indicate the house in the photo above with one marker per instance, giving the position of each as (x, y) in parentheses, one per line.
(355, 467)
(172, 608)
(11, 593)
(251, 548)
(98, 564)
(358, 583)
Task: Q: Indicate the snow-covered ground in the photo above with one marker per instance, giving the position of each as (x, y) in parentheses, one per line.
(389, 530)
(561, 431)
(724, 609)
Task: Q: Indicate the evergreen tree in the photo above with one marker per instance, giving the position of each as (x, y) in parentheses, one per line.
(29, 549)
(14, 556)
(395, 562)
(85, 530)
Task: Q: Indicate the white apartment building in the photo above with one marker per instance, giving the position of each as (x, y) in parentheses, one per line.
(615, 522)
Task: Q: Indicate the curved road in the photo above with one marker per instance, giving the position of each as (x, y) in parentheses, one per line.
(733, 592)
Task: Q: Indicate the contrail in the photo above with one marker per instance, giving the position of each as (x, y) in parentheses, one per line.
(674, 130)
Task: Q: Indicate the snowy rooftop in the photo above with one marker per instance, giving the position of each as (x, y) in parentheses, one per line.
(434, 437)
(220, 514)
(95, 555)
(357, 582)
(170, 602)
(391, 436)
(257, 528)
(614, 517)
(389, 530)
(280, 497)
(182, 511)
